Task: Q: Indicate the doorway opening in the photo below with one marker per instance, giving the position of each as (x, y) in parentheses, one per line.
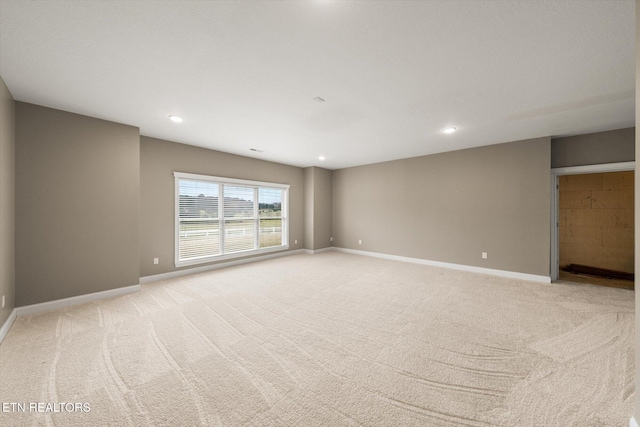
(592, 234)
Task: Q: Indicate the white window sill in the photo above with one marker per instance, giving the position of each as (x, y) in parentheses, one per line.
(242, 254)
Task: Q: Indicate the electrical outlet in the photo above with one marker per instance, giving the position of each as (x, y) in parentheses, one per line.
(331, 239)
(156, 261)
(484, 255)
(295, 242)
(359, 242)
(2, 301)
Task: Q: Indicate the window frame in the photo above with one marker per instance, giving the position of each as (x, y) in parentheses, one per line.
(221, 181)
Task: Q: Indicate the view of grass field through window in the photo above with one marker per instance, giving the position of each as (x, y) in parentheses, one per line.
(217, 218)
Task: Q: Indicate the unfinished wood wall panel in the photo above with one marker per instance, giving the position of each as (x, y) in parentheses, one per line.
(596, 220)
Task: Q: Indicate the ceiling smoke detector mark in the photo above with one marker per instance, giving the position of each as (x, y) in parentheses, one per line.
(318, 99)
(256, 150)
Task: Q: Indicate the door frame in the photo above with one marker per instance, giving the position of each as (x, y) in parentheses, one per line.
(555, 205)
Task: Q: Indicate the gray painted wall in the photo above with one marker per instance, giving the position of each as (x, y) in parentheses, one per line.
(613, 146)
(159, 159)
(637, 219)
(323, 207)
(450, 207)
(308, 208)
(77, 204)
(7, 201)
(317, 208)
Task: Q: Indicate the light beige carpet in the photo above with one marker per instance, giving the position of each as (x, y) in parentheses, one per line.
(327, 340)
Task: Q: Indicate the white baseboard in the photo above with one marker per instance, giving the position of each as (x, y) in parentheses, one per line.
(77, 300)
(493, 272)
(4, 330)
(317, 251)
(632, 422)
(187, 271)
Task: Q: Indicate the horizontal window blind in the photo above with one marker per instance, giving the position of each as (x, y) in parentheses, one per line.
(221, 217)
(199, 225)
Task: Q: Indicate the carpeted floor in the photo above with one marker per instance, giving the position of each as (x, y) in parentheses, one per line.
(327, 340)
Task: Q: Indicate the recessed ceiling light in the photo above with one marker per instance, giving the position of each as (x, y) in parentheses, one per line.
(321, 158)
(450, 129)
(176, 119)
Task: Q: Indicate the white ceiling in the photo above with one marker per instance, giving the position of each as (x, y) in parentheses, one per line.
(244, 74)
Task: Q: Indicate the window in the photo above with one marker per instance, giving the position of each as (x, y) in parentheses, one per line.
(220, 218)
